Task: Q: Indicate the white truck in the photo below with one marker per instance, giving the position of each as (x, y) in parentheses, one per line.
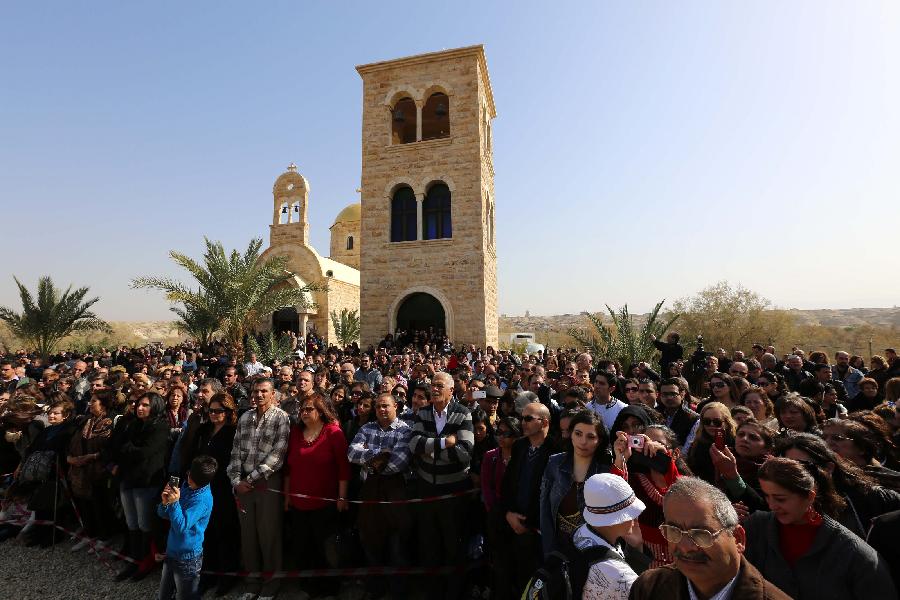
(517, 339)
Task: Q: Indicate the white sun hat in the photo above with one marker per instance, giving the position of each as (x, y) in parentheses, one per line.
(609, 500)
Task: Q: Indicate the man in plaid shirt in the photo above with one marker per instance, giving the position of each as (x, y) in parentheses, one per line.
(260, 444)
(382, 450)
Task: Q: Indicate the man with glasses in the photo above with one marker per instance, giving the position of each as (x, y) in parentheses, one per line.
(679, 418)
(257, 455)
(707, 544)
(442, 441)
(520, 502)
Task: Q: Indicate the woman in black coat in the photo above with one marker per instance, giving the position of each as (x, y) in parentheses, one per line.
(140, 465)
(222, 543)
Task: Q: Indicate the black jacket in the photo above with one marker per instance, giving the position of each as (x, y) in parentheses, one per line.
(513, 478)
(217, 446)
(682, 423)
(142, 455)
(669, 353)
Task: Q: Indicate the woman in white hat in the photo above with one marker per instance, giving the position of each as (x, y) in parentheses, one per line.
(610, 512)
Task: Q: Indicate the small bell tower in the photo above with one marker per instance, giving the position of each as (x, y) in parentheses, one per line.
(289, 217)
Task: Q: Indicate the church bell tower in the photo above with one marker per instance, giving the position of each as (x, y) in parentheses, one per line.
(428, 256)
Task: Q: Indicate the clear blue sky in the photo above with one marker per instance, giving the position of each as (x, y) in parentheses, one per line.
(642, 149)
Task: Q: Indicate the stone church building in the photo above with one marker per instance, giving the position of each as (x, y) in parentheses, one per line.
(419, 250)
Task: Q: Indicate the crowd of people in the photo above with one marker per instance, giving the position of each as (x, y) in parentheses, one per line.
(713, 476)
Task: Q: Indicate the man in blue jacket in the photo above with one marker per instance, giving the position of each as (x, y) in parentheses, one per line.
(189, 516)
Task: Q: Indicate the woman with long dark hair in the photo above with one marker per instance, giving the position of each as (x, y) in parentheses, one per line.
(863, 446)
(801, 548)
(863, 499)
(141, 460)
(215, 438)
(562, 488)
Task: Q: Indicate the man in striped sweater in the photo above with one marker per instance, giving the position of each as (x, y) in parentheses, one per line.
(441, 443)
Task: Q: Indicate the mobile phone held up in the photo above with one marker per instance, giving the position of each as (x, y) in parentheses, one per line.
(720, 440)
(174, 482)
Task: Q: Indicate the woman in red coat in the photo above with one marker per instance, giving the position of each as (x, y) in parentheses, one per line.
(316, 466)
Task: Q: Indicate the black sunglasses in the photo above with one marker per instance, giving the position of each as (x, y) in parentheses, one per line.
(712, 422)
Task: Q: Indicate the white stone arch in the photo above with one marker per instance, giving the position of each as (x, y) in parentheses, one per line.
(427, 182)
(310, 302)
(436, 293)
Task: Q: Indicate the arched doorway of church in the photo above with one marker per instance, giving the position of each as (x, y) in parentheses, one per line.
(421, 311)
(286, 319)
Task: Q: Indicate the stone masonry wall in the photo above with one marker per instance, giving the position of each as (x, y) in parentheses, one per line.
(461, 271)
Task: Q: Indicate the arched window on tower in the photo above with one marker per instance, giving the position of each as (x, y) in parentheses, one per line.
(403, 215)
(283, 215)
(436, 222)
(436, 117)
(403, 121)
(350, 242)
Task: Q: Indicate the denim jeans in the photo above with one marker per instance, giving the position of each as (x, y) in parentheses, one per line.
(139, 506)
(180, 579)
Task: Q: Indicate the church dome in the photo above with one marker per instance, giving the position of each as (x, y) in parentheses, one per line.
(349, 214)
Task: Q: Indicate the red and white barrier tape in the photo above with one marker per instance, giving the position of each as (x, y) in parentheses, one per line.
(297, 574)
(349, 572)
(407, 501)
(95, 543)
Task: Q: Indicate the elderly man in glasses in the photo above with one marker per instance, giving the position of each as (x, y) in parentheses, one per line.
(707, 544)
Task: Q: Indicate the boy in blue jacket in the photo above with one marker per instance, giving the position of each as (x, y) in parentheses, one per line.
(188, 510)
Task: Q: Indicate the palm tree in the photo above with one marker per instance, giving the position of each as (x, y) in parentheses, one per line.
(346, 326)
(199, 318)
(625, 342)
(271, 347)
(54, 315)
(243, 289)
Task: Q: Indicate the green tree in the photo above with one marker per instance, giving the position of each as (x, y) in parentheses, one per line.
(51, 316)
(273, 347)
(732, 318)
(242, 288)
(198, 319)
(626, 341)
(346, 326)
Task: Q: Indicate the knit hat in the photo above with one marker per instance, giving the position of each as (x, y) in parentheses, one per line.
(609, 500)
